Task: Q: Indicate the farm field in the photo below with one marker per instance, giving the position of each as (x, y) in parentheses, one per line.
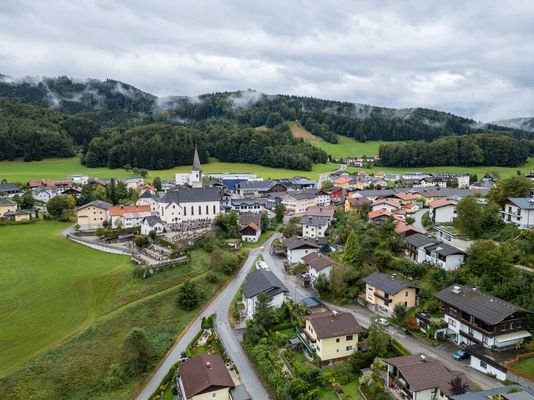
(58, 168)
(66, 309)
(503, 172)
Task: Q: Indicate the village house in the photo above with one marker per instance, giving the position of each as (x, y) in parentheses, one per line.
(301, 182)
(379, 216)
(128, 216)
(314, 227)
(298, 247)
(331, 335)
(484, 322)
(321, 211)
(152, 223)
(403, 229)
(252, 189)
(7, 206)
(246, 206)
(318, 264)
(384, 292)
(205, 377)
(418, 377)
(388, 204)
(353, 203)
(9, 190)
(519, 211)
(189, 204)
(133, 182)
(343, 181)
(429, 250)
(298, 202)
(442, 211)
(250, 227)
(148, 199)
(78, 180)
(19, 216)
(92, 215)
(265, 282)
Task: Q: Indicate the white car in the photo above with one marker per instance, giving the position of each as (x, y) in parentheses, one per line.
(383, 321)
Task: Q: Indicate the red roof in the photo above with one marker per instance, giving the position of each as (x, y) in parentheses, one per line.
(403, 227)
(406, 196)
(119, 211)
(379, 213)
(442, 203)
(391, 202)
(342, 180)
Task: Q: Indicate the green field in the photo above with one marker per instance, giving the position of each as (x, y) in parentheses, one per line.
(526, 367)
(50, 288)
(20, 171)
(503, 172)
(347, 147)
(65, 310)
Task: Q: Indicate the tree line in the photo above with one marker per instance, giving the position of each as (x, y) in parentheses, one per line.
(469, 150)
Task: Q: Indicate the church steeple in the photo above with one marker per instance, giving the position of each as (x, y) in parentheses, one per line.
(196, 161)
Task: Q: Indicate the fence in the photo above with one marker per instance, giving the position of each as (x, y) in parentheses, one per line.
(99, 246)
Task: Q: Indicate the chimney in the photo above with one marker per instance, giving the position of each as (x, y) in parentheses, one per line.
(208, 365)
(423, 358)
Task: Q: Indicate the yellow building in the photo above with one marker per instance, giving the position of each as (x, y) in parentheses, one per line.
(331, 335)
(205, 377)
(18, 216)
(385, 292)
(92, 215)
(7, 206)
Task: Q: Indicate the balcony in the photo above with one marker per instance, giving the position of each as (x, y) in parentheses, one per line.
(307, 342)
(387, 300)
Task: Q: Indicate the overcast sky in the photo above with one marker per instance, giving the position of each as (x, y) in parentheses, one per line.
(474, 58)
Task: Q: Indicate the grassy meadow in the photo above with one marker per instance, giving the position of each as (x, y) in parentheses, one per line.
(59, 168)
(65, 311)
(347, 147)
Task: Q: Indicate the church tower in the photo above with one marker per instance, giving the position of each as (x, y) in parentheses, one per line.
(196, 174)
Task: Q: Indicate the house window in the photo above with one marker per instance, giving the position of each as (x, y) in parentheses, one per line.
(349, 337)
(192, 210)
(470, 331)
(483, 364)
(214, 209)
(199, 210)
(452, 322)
(485, 339)
(207, 210)
(337, 340)
(406, 294)
(185, 211)
(348, 348)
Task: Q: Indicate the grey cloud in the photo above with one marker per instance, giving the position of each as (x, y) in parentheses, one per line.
(472, 58)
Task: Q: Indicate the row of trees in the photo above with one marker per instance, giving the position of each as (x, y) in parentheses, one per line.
(476, 149)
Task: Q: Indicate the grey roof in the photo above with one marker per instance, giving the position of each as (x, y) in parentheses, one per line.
(249, 202)
(147, 195)
(486, 394)
(379, 193)
(295, 242)
(97, 203)
(6, 202)
(483, 306)
(420, 240)
(5, 187)
(196, 161)
(444, 249)
(262, 281)
(301, 195)
(387, 283)
(257, 185)
(190, 195)
(524, 203)
(240, 393)
(314, 221)
(153, 220)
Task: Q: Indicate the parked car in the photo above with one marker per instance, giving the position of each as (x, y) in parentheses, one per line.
(383, 321)
(461, 354)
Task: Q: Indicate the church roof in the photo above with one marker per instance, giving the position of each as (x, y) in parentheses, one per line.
(196, 161)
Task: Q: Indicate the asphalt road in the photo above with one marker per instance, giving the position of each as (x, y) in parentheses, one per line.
(459, 243)
(219, 305)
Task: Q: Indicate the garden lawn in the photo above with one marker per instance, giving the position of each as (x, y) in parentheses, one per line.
(503, 172)
(59, 168)
(526, 367)
(50, 288)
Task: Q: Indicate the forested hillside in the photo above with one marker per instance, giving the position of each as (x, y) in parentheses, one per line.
(113, 124)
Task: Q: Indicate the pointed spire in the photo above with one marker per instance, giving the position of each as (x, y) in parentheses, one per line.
(196, 161)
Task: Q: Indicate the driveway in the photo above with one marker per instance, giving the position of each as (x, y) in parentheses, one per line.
(219, 305)
(459, 243)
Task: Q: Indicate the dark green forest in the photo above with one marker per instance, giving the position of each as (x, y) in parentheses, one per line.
(112, 124)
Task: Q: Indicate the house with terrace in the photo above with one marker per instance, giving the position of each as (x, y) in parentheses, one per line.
(298, 202)
(519, 211)
(426, 249)
(442, 211)
(250, 227)
(204, 377)
(298, 247)
(419, 377)
(318, 264)
(384, 292)
(314, 227)
(9, 190)
(7, 206)
(331, 335)
(486, 324)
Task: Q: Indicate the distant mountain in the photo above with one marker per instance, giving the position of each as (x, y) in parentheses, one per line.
(525, 124)
(112, 103)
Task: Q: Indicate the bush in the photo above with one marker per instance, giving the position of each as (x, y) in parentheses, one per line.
(141, 241)
(189, 296)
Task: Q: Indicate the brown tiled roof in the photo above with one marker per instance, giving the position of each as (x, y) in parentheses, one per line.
(204, 373)
(332, 324)
(442, 203)
(424, 373)
(320, 211)
(358, 201)
(317, 261)
(391, 202)
(379, 213)
(247, 219)
(406, 196)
